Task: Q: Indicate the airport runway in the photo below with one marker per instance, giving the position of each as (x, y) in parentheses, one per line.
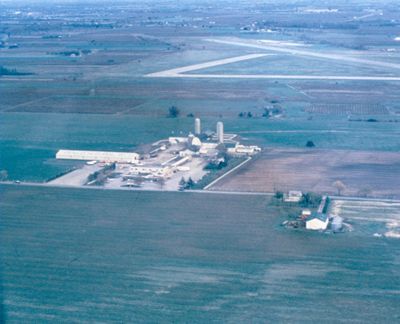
(301, 52)
(181, 72)
(200, 66)
(280, 77)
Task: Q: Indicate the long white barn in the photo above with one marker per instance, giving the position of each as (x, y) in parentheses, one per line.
(101, 156)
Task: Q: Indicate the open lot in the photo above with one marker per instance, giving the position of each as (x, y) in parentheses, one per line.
(120, 256)
(363, 173)
(373, 218)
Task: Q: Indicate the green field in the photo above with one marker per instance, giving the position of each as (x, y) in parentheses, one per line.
(28, 142)
(122, 256)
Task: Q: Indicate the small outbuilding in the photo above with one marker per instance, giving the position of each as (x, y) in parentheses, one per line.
(293, 196)
(305, 214)
(317, 221)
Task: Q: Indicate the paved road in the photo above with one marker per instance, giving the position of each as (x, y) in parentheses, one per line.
(214, 192)
(77, 177)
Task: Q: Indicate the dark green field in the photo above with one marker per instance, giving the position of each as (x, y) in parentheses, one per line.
(120, 256)
(29, 142)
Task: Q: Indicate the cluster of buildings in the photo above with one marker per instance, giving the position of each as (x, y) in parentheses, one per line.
(186, 156)
(320, 219)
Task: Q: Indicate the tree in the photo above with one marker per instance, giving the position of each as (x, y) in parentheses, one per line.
(3, 175)
(279, 195)
(182, 184)
(266, 113)
(365, 192)
(161, 181)
(277, 110)
(173, 112)
(310, 199)
(310, 144)
(190, 183)
(340, 186)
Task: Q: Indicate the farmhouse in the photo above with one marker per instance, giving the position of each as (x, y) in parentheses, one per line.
(242, 150)
(317, 221)
(293, 196)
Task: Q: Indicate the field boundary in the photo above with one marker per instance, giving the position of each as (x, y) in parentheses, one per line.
(227, 173)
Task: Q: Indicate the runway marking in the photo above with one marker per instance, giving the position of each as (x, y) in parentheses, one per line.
(281, 77)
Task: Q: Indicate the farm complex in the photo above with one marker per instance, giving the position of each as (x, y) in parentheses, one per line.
(175, 163)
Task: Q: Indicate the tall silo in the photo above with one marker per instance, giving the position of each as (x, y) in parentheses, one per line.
(220, 132)
(337, 223)
(197, 126)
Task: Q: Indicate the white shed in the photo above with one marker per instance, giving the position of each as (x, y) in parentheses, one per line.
(102, 156)
(317, 222)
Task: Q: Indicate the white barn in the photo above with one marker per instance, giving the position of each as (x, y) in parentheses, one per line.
(101, 156)
(317, 222)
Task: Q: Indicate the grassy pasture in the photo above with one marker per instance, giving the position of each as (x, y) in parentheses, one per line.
(80, 104)
(28, 142)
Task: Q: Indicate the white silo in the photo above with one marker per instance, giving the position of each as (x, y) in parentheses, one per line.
(197, 126)
(220, 132)
(337, 223)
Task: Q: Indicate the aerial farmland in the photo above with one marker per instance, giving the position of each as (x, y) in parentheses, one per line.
(220, 115)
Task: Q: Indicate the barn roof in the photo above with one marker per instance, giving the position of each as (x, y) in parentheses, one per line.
(322, 217)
